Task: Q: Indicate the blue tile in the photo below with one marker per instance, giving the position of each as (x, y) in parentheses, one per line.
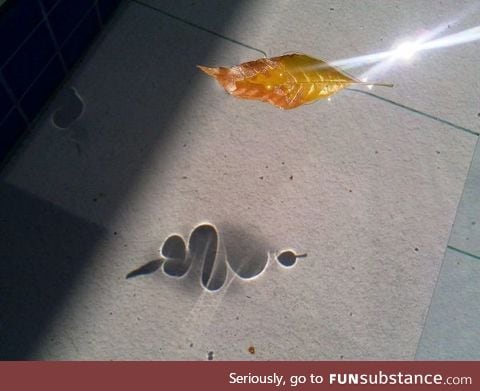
(10, 130)
(42, 89)
(17, 20)
(80, 39)
(65, 17)
(466, 230)
(452, 327)
(48, 4)
(5, 102)
(29, 61)
(106, 8)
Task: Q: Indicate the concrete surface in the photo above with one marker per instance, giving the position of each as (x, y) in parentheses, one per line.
(367, 185)
(451, 331)
(466, 231)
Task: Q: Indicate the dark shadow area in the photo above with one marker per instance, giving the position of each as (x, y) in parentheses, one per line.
(148, 268)
(43, 249)
(247, 252)
(174, 250)
(203, 248)
(289, 258)
(70, 109)
(199, 26)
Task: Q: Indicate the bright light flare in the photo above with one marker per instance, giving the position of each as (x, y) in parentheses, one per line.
(406, 50)
(369, 86)
(462, 37)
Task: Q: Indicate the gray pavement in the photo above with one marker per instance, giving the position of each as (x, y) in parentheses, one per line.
(367, 185)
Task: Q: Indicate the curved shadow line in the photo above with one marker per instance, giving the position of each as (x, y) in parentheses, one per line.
(216, 267)
(237, 274)
(416, 111)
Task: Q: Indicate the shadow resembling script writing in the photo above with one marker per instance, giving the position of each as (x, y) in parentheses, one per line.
(210, 250)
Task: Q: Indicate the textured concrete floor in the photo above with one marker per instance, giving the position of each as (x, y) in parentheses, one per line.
(367, 185)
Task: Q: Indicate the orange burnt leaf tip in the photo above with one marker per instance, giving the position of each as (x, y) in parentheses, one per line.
(286, 81)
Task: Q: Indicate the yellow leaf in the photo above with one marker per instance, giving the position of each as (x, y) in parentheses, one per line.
(286, 81)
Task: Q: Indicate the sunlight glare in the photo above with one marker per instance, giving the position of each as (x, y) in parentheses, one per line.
(405, 50)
